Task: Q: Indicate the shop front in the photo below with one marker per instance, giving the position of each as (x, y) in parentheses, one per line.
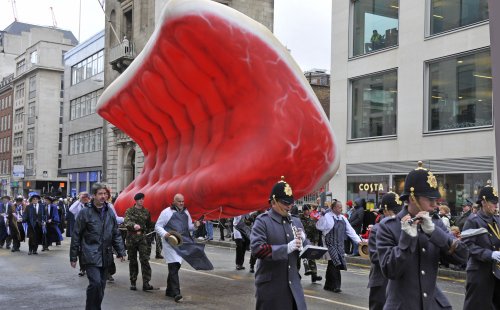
(455, 183)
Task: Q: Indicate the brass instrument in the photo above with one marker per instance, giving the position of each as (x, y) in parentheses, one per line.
(298, 235)
(174, 238)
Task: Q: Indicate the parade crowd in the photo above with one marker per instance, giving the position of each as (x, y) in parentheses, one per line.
(408, 237)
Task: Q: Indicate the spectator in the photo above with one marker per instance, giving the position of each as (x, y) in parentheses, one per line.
(466, 212)
(444, 214)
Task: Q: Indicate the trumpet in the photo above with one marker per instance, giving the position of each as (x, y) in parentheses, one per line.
(412, 220)
(296, 231)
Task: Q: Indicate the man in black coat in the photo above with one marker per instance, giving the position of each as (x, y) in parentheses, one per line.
(95, 234)
(467, 211)
(356, 221)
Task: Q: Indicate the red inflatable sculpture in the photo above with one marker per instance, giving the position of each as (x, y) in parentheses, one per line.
(221, 112)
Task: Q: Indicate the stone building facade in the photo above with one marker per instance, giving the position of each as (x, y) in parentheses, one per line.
(135, 20)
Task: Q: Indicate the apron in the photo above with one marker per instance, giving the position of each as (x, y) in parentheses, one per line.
(190, 251)
(334, 240)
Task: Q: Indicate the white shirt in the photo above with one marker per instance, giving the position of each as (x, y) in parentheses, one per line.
(169, 253)
(36, 208)
(76, 207)
(236, 233)
(119, 219)
(325, 224)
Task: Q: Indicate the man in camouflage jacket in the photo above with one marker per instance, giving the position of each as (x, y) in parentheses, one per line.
(313, 235)
(138, 223)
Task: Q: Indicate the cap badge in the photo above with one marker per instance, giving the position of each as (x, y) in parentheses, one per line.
(288, 190)
(396, 199)
(431, 179)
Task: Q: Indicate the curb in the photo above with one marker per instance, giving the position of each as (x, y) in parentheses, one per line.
(357, 261)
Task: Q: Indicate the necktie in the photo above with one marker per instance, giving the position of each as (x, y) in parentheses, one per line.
(36, 207)
(48, 210)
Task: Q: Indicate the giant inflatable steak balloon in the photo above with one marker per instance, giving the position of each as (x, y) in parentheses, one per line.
(221, 112)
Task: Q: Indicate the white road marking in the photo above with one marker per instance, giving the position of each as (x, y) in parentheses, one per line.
(199, 272)
(336, 302)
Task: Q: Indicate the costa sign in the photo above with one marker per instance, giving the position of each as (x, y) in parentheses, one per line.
(371, 187)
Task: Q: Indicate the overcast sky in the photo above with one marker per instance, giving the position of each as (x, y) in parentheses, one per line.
(301, 25)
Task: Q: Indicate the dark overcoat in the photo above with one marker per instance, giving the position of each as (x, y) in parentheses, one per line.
(277, 278)
(480, 288)
(411, 263)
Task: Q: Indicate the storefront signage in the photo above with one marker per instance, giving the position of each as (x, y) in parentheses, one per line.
(371, 187)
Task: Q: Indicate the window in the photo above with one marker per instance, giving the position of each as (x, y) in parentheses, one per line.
(20, 90)
(32, 85)
(18, 116)
(451, 14)
(29, 161)
(87, 68)
(30, 135)
(17, 160)
(84, 105)
(18, 139)
(375, 25)
(86, 141)
(20, 66)
(34, 57)
(460, 92)
(374, 105)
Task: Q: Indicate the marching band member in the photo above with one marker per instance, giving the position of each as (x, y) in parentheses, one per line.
(276, 240)
(377, 283)
(483, 283)
(410, 246)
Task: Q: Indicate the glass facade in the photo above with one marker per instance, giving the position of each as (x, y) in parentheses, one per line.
(87, 68)
(374, 105)
(370, 187)
(460, 93)
(453, 187)
(375, 25)
(451, 14)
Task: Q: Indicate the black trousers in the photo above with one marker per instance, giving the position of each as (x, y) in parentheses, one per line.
(376, 299)
(333, 278)
(241, 247)
(97, 283)
(253, 260)
(173, 285)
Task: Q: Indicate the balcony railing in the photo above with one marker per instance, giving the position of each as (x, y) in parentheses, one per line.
(121, 56)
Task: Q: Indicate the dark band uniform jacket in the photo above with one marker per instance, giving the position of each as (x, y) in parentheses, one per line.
(277, 279)
(376, 281)
(411, 263)
(480, 280)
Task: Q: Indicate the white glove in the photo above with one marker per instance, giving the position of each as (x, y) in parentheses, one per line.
(409, 229)
(496, 256)
(292, 246)
(427, 224)
(302, 235)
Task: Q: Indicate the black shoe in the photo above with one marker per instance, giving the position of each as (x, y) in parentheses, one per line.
(7, 247)
(35, 253)
(81, 273)
(111, 279)
(178, 298)
(252, 270)
(337, 290)
(133, 287)
(148, 287)
(29, 253)
(159, 256)
(239, 267)
(315, 278)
